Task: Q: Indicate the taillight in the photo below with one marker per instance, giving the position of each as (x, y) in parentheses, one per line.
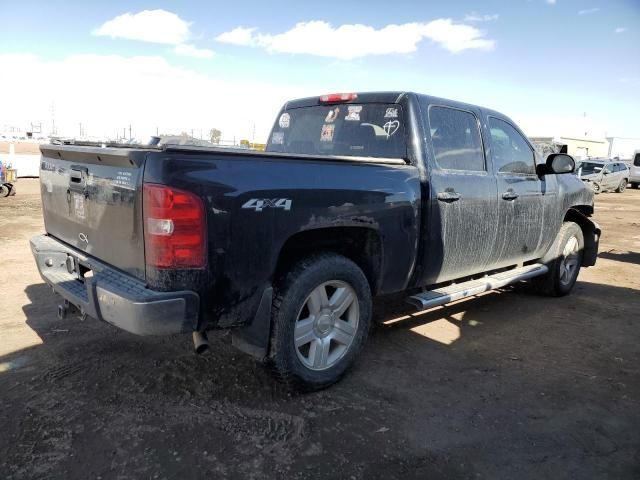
(338, 97)
(174, 228)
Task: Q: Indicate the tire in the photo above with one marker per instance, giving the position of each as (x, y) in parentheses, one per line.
(596, 188)
(562, 275)
(634, 185)
(622, 186)
(330, 338)
(4, 190)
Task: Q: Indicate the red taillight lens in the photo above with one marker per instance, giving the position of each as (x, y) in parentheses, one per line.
(174, 228)
(338, 97)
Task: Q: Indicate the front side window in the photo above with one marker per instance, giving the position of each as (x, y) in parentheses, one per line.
(510, 151)
(456, 140)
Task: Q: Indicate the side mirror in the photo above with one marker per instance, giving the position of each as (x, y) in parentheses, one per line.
(558, 163)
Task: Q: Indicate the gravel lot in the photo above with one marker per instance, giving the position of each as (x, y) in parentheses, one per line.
(506, 385)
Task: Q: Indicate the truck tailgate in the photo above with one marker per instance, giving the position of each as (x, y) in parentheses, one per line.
(92, 200)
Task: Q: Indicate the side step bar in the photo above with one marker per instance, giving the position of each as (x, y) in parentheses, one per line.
(441, 296)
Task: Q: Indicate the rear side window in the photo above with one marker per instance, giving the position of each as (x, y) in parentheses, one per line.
(358, 130)
(456, 140)
(510, 151)
(636, 160)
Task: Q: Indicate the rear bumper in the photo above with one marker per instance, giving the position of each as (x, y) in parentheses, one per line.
(112, 296)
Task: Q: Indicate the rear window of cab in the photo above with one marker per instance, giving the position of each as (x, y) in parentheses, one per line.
(358, 130)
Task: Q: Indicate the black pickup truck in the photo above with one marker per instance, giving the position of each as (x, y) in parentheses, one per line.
(356, 196)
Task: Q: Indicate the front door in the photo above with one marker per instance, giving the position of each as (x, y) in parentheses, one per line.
(462, 202)
(522, 195)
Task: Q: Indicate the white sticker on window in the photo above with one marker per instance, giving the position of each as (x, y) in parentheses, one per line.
(277, 138)
(353, 113)
(391, 113)
(327, 133)
(284, 121)
(332, 115)
(391, 127)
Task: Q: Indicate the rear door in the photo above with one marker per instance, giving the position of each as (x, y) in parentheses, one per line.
(521, 194)
(91, 200)
(609, 176)
(462, 202)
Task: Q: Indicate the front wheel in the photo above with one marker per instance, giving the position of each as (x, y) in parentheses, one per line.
(623, 185)
(321, 316)
(563, 260)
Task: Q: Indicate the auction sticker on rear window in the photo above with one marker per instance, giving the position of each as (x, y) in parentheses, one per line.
(277, 138)
(391, 113)
(78, 205)
(284, 121)
(327, 133)
(353, 113)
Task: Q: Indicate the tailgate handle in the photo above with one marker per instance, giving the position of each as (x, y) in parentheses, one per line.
(76, 174)
(77, 178)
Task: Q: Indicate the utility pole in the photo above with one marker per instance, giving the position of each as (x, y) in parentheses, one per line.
(80, 124)
(129, 131)
(53, 118)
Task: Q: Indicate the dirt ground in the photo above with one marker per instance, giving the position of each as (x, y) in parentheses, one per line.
(506, 385)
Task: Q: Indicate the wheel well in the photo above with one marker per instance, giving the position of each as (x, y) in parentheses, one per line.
(360, 244)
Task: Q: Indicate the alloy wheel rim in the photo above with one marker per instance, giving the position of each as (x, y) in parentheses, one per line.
(570, 259)
(326, 325)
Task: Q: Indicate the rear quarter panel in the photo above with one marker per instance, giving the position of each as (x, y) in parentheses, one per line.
(244, 243)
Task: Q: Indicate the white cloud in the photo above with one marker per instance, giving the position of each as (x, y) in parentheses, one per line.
(588, 11)
(192, 51)
(155, 26)
(474, 17)
(620, 30)
(350, 41)
(150, 93)
(551, 2)
(238, 36)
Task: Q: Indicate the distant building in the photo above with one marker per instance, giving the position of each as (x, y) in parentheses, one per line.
(578, 147)
(622, 147)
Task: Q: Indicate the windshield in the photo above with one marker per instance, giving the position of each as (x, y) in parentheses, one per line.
(588, 168)
(362, 130)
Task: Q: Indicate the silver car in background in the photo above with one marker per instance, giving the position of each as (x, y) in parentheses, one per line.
(634, 170)
(604, 175)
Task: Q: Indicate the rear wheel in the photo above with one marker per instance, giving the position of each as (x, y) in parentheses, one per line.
(563, 260)
(634, 185)
(321, 316)
(4, 190)
(623, 185)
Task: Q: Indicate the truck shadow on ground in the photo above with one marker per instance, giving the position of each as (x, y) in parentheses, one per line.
(628, 257)
(505, 382)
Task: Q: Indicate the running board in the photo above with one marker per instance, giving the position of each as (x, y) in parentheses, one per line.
(457, 291)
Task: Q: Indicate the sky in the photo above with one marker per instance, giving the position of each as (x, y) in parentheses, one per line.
(557, 67)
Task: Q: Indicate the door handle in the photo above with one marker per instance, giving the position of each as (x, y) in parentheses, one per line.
(510, 195)
(448, 196)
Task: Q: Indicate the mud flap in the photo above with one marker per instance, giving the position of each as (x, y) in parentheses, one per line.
(254, 338)
(591, 232)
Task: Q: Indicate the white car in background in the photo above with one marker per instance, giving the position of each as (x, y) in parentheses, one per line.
(603, 174)
(634, 170)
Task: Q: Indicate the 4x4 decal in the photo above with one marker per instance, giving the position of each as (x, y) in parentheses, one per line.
(259, 204)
